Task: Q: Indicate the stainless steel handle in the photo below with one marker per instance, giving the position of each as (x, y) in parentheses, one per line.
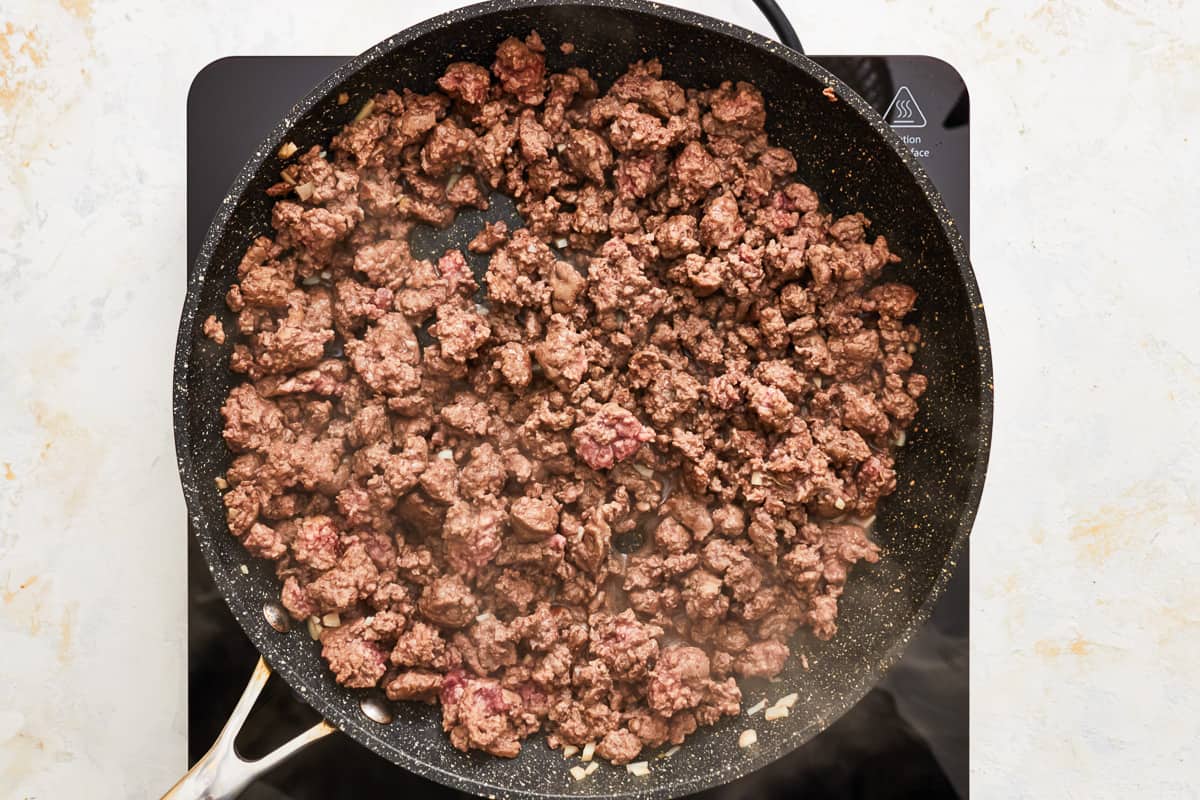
(222, 774)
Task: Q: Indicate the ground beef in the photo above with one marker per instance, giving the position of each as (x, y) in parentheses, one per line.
(491, 236)
(612, 434)
(678, 681)
(355, 661)
(448, 602)
(619, 746)
(762, 659)
(467, 82)
(478, 714)
(420, 685)
(677, 343)
(214, 330)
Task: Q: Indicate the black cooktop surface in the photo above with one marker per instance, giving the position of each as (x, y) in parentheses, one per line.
(907, 738)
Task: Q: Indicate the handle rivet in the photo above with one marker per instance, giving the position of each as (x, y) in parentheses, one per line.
(376, 708)
(277, 617)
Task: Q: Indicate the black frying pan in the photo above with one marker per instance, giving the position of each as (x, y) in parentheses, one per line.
(855, 162)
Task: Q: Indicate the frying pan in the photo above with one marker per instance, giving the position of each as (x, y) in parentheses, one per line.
(851, 157)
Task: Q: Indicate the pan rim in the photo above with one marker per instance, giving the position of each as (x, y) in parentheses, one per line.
(867, 678)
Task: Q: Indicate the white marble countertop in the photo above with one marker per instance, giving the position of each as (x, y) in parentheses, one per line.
(1085, 603)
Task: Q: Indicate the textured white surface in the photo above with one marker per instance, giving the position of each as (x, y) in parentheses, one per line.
(1086, 611)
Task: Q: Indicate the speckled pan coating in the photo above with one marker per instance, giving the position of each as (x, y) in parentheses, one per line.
(852, 158)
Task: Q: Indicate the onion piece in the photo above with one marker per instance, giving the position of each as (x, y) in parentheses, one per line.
(365, 111)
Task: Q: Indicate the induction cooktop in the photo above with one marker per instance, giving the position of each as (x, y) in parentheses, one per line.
(906, 738)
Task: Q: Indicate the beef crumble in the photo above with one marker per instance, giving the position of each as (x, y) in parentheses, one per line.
(680, 342)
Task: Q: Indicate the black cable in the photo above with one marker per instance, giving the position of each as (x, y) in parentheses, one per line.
(779, 21)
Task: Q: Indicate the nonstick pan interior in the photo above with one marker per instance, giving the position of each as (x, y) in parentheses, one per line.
(856, 164)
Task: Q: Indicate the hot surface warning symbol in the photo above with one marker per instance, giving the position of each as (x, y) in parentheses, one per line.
(903, 112)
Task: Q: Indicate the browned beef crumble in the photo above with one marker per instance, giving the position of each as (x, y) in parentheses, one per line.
(214, 330)
(680, 343)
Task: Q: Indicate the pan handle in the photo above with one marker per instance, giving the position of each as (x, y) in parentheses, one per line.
(222, 774)
(781, 24)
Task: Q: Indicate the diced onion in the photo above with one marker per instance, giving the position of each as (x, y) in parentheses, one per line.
(638, 768)
(757, 707)
(670, 752)
(748, 738)
(578, 772)
(560, 146)
(446, 455)
(314, 628)
(331, 620)
(644, 471)
(589, 750)
(756, 479)
(592, 767)
(363, 112)
(311, 280)
(245, 570)
(570, 750)
(221, 483)
(305, 190)
(788, 700)
(775, 712)
(839, 503)
(288, 150)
